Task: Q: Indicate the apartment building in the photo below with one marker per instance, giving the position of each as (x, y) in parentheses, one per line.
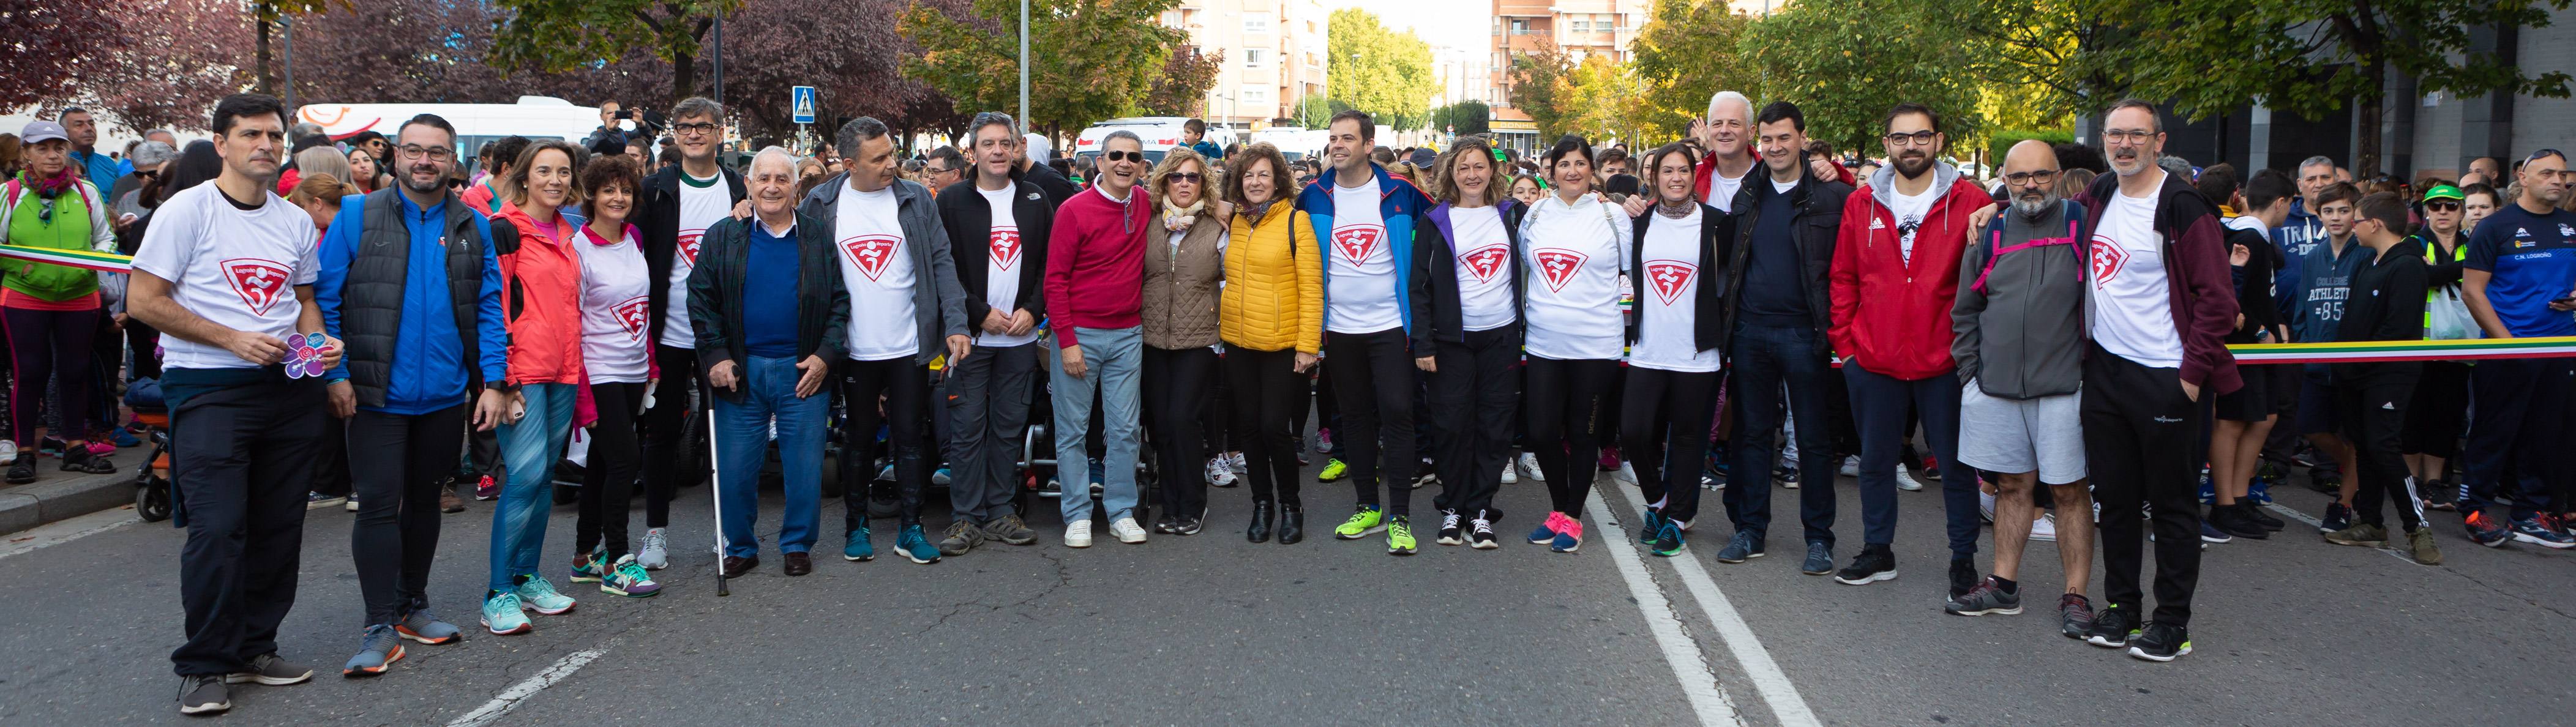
(1581, 28)
(1274, 55)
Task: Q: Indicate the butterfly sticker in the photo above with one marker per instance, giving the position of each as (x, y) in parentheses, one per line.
(305, 359)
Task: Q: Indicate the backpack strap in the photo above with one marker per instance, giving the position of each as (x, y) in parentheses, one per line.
(1995, 249)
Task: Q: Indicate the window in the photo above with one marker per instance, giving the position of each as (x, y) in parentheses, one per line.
(1256, 58)
(1256, 97)
(1582, 26)
(1256, 23)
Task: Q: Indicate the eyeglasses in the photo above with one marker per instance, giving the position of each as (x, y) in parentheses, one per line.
(1920, 138)
(2036, 177)
(1190, 177)
(1120, 156)
(936, 170)
(416, 151)
(2128, 136)
(688, 129)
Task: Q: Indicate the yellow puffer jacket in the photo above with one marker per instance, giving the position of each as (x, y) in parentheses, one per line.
(1274, 285)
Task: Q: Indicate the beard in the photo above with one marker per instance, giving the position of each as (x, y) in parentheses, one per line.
(1913, 166)
(2034, 206)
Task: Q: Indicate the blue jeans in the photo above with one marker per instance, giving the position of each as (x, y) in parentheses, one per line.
(742, 446)
(1879, 403)
(1763, 359)
(529, 450)
(1114, 356)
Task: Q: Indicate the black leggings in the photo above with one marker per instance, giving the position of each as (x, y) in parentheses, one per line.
(906, 388)
(664, 440)
(1664, 431)
(399, 463)
(1373, 381)
(41, 343)
(1269, 394)
(1172, 406)
(1563, 401)
(608, 484)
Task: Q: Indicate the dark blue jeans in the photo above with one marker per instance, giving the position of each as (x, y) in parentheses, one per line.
(1879, 403)
(1765, 359)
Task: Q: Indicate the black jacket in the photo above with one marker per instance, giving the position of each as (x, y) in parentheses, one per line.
(657, 229)
(1436, 309)
(1716, 246)
(2386, 304)
(1057, 188)
(2254, 285)
(969, 220)
(1819, 203)
(715, 296)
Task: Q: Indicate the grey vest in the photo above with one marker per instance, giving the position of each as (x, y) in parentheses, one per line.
(371, 301)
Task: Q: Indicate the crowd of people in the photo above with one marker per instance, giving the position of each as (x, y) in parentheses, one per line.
(1714, 313)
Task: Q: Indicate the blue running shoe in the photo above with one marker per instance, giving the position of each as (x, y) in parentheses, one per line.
(1820, 559)
(2211, 534)
(378, 649)
(541, 596)
(859, 547)
(915, 546)
(2485, 530)
(2536, 530)
(1649, 527)
(503, 614)
(1744, 546)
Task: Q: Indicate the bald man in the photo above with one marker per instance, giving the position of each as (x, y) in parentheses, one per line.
(2023, 311)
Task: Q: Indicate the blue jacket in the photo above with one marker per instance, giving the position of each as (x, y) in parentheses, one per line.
(2300, 232)
(1208, 149)
(101, 170)
(2324, 285)
(429, 372)
(1399, 203)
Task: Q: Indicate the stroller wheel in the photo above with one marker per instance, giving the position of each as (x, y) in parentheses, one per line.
(152, 500)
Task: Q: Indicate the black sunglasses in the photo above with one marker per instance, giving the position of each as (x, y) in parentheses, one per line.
(1120, 156)
(1190, 177)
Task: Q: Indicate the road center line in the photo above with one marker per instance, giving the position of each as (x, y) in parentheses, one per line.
(1777, 690)
(1699, 683)
(49, 535)
(510, 698)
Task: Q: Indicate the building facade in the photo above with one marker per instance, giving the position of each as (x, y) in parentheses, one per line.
(1274, 55)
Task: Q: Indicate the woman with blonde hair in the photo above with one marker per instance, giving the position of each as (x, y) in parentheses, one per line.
(1180, 322)
(1467, 334)
(1270, 315)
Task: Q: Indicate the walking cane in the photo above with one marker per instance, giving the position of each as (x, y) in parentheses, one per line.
(717, 488)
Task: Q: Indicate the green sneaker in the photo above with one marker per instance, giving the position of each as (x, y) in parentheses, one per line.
(1333, 470)
(541, 596)
(1399, 536)
(1367, 521)
(586, 567)
(2362, 534)
(2419, 544)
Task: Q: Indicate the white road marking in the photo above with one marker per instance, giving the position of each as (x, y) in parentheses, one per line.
(1777, 690)
(509, 699)
(1699, 683)
(49, 535)
(2314, 523)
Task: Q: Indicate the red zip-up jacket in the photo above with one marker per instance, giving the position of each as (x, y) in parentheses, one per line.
(541, 300)
(1892, 317)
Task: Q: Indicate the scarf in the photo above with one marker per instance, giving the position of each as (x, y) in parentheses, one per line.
(1252, 211)
(49, 187)
(1674, 210)
(1176, 219)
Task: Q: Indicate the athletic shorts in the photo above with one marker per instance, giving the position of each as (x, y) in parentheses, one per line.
(2007, 436)
(2316, 407)
(2250, 402)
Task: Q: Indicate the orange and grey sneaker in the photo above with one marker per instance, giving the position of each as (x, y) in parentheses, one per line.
(377, 652)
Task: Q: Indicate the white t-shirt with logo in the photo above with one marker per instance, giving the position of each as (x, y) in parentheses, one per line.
(1002, 268)
(1484, 252)
(1909, 210)
(1359, 273)
(2132, 315)
(700, 207)
(1572, 256)
(879, 273)
(1669, 305)
(1721, 189)
(614, 284)
(234, 267)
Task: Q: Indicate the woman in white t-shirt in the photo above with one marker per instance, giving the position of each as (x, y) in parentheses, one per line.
(1467, 334)
(1574, 246)
(617, 363)
(1671, 390)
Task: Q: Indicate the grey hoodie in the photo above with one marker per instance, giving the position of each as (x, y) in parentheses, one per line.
(2028, 317)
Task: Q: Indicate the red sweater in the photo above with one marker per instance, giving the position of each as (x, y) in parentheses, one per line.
(1095, 268)
(1892, 316)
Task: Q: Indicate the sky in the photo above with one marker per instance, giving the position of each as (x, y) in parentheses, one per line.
(1463, 24)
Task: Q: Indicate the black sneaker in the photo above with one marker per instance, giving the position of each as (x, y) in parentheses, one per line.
(1875, 563)
(2112, 628)
(204, 694)
(2439, 495)
(1480, 533)
(1963, 576)
(2337, 517)
(272, 670)
(23, 469)
(1166, 524)
(80, 459)
(2232, 520)
(2074, 616)
(1450, 533)
(2160, 642)
(2255, 513)
(1985, 598)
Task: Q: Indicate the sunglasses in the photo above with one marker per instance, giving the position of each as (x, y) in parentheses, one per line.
(1123, 156)
(1190, 177)
(2442, 206)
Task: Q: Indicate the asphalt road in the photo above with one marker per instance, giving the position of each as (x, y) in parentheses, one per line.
(1210, 629)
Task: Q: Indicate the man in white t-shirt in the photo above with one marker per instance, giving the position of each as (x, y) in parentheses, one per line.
(988, 394)
(906, 311)
(672, 211)
(226, 274)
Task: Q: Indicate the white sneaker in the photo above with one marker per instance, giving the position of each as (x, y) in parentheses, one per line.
(1511, 472)
(1077, 534)
(1529, 467)
(2044, 529)
(1220, 473)
(656, 554)
(8, 450)
(1851, 466)
(1625, 473)
(1905, 480)
(1234, 461)
(352, 504)
(1127, 530)
(1986, 505)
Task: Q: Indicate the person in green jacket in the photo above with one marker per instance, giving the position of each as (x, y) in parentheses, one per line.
(51, 311)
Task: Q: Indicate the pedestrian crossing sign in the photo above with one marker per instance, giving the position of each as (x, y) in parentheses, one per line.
(804, 105)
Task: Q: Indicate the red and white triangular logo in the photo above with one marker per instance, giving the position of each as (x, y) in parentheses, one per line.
(872, 253)
(1487, 261)
(259, 282)
(1557, 265)
(1357, 241)
(1006, 247)
(631, 314)
(1670, 277)
(2108, 258)
(689, 246)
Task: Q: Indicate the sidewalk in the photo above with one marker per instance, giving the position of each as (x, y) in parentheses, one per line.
(57, 495)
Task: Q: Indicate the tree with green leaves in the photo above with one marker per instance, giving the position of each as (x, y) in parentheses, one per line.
(1537, 81)
(1844, 62)
(1313, 112)
(1182, 87)
(1378, 70)
(1089, 59)
(2310, 57)
(1686, 52)
(1468, 118)
(555, 36)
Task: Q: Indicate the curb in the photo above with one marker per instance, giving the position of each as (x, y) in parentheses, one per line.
(61, 498)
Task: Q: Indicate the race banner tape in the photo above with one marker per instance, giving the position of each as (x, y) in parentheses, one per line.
(105, 262)
(2472, 349)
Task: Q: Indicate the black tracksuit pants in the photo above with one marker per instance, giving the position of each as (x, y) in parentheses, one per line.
(1663, 428)
(906, 388)
(397, 464)
(664, 440)
(2139, 434)
(2372, 413)
(608, 484)
(1565, 406)
(241, 462)
(1475, 393)
(1372, 377)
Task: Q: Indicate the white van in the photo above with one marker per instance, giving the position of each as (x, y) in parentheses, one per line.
(1160, 134)
(534, 117)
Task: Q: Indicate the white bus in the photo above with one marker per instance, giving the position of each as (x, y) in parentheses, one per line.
(534, 117)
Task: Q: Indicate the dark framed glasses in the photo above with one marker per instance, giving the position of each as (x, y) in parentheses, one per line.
(1123, 156)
